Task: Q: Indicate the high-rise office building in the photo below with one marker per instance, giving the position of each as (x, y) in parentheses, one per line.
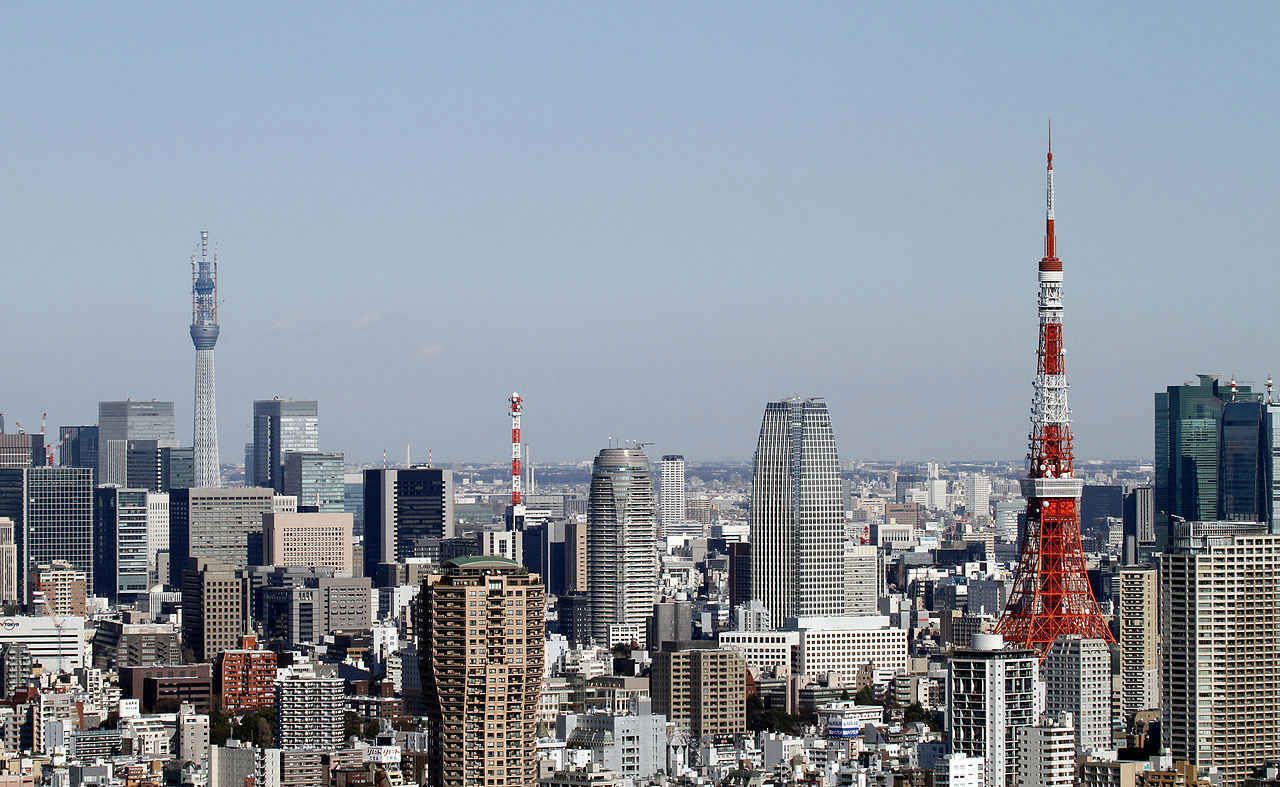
(481, 657)
(990, 694)
(52, 512)
(1220, 619)
(797, 513)
(79, 446)
(308, 539)
(130, 527)
(1138, 615)
(1244, 488)
(1078, 682)
(204, 335)
(222, 525)
(309, 713)
(671, 492)
(120, 422)
(213, 617)
(1187, 431)
(316, 479)
(280, 427)
(622, 557)
(21, 450)
(407, 513)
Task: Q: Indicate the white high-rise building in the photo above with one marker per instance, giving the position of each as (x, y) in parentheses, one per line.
(1138, 613)
(622, 555)
(977, 496)
(937, 492)
(862, 578)
(1047, 753)
(990, 694)
(797, 513)
(1220, 618)
(309, 713)
(671, 497)
(1077, 674)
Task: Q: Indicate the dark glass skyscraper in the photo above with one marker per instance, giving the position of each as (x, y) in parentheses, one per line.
(407, 513)
(1243, 464)
(1187, 433)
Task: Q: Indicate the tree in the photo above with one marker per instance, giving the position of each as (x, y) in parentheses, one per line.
(761, 718)
(866, 696)
(916, 712)
(351, 724)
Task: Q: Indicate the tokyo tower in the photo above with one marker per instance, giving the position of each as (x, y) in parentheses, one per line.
(1051, 594)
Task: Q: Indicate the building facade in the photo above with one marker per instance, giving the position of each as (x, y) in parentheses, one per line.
(120, 422)
(701, 687)
(990, 694)
(1220, 619)
(622, 557)
(481, 659)
(309, 713)
(52, 512)
(1077, 674)
(1138, 618)
(671, 492)
(322, 540)
(797, 513)
(281, 427)
(407, 513)
(316, 479)
(222, 525)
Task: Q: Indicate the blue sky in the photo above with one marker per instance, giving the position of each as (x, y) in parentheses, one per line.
(649, 219)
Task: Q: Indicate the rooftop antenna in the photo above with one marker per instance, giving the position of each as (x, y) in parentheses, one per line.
(1270, 389)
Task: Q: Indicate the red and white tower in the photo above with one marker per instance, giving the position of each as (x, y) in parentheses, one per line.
(1051, 594)
(517, 493)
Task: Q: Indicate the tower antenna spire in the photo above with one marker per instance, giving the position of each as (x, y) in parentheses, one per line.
(204, 334)
(1051, 595)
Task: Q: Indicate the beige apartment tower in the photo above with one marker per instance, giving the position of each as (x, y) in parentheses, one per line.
(1138, 615)
(308, 539)
(480, 660)
(700, 687)
(1220, 603)
(212, 609)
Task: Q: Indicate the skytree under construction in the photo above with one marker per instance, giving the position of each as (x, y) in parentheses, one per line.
(204, 334)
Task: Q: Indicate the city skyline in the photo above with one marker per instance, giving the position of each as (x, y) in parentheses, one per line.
(677, 181)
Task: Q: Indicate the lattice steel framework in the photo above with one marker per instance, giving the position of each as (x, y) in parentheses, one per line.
(1051, 594)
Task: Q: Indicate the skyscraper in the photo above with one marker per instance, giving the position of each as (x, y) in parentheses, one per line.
(204, 334)
(407, 513)
(316, 479)
(119, 424)
(79, 446)
(1220, 619)
(221, 525)
(671, 500)
(1188, 427)
(797, 513)
(281, 426)
(622, 557)
(52, 512)
(130, 526)
(481, 656)
(1244, 453)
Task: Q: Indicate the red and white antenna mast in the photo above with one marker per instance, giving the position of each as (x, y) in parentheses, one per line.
(517, 494)
(1051, 595)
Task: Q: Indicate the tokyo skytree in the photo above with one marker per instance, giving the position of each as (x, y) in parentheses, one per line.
(204, 334)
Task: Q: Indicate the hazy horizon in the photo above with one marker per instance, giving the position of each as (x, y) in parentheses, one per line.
(649, 220)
